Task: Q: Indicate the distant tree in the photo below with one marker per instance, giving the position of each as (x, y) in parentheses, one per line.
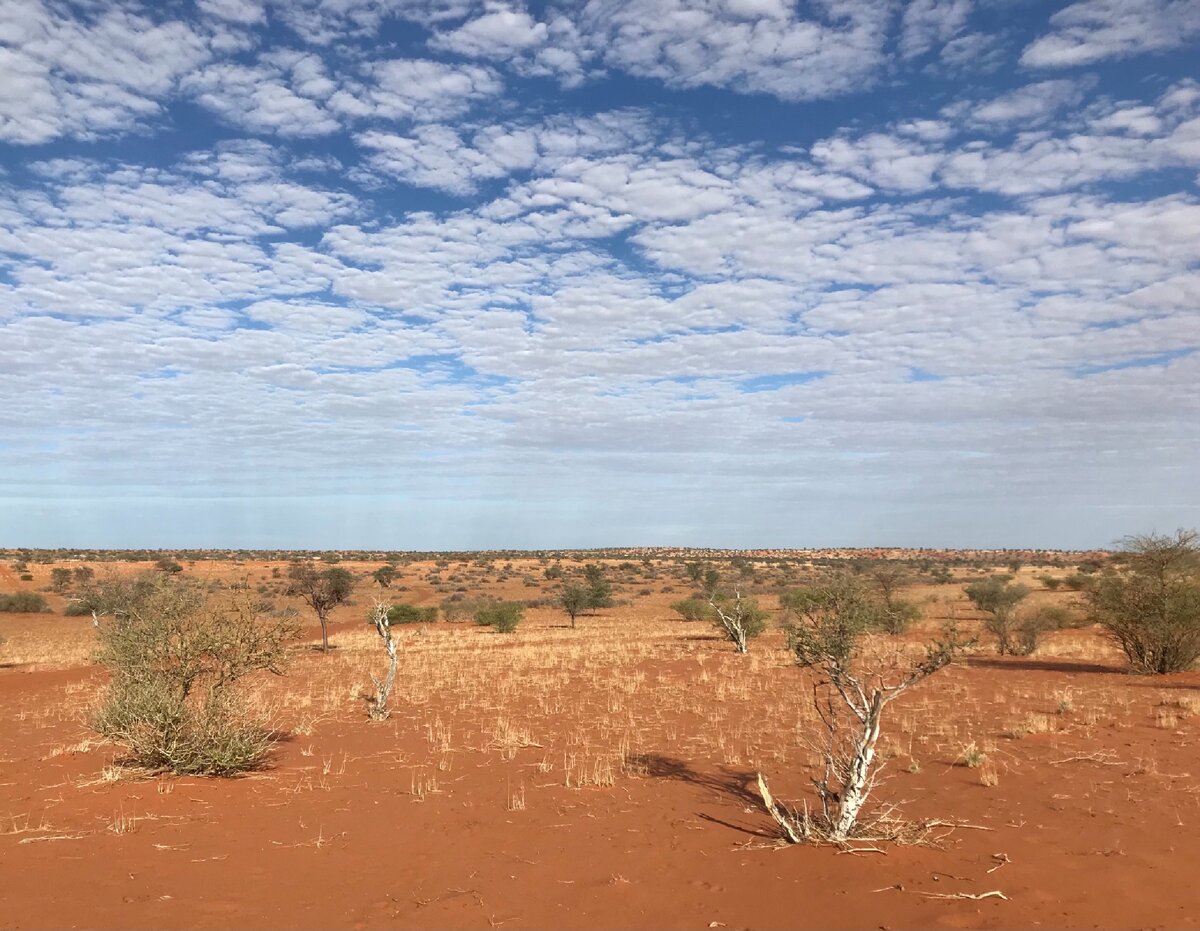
(384, 575)
(1151, 607)
(998, 599)
(898, 614)
(694, 571)
(60, 579)
(168, 565)
(575, 599)
(322, 590)
(598, 589)
(84, 575)
(711, 580)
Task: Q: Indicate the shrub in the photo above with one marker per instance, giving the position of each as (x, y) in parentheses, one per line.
(693, 609)
(60, 579)
(23, 603)
(503, 616)
(740, 619)
(175, 660)
(1152, 607)
(408, 614)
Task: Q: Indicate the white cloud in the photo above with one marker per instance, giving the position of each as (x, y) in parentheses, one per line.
(926, 24)
(62, 76)
(1089, 31)
(1032, 104)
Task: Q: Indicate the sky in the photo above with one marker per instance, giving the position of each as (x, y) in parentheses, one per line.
(452, 274)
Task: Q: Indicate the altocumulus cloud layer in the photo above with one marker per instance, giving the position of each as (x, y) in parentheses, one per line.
(448, 273)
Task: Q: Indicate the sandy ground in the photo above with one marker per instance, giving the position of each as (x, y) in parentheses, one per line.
(597, 778)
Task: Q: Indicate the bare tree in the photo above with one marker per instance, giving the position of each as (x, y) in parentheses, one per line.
(740, 619)
(850, 697)
(377, 706)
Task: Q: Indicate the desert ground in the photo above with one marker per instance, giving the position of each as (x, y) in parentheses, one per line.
(598, 777)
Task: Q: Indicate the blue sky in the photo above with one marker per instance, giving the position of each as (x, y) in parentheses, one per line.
(460, 274)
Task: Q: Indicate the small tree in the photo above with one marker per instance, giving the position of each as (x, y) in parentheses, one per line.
(898, 614)
(598, 589)
(384, 576)
(60, 579)
(998, 599)
(850, 699)
(574, 599)
(740, 619)
(377, 705)
(1152, 607)
(322, 590)
(175, 659)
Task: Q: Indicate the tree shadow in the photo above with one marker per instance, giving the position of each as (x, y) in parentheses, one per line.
(1040, 665)
(735, 784)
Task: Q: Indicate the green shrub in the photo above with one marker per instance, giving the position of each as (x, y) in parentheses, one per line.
(693, 609)
(504, 616)
(1152, 607)
(23, 603)
(411, 614)
(175, 660)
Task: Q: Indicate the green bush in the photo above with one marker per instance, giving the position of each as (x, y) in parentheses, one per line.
(23, 603)
(693, 609)
(503, 616)
(411, 614)
(1151, 608)
(175, 660)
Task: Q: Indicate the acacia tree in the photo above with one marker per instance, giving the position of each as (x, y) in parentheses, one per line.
(1151, 608)
(322, 590)
(998, 599)
(898, 614)
(850, 697)
(598, 589)
(574, 599)
(384, 575)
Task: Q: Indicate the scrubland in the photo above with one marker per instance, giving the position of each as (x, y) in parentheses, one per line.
(597, 777)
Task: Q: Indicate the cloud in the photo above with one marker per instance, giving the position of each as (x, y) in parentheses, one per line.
(376, 248)
(756, 47)
(1090, 31)
(63, 76)
(926, 24)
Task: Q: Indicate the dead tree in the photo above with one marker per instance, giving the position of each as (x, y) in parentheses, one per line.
(377, 707)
